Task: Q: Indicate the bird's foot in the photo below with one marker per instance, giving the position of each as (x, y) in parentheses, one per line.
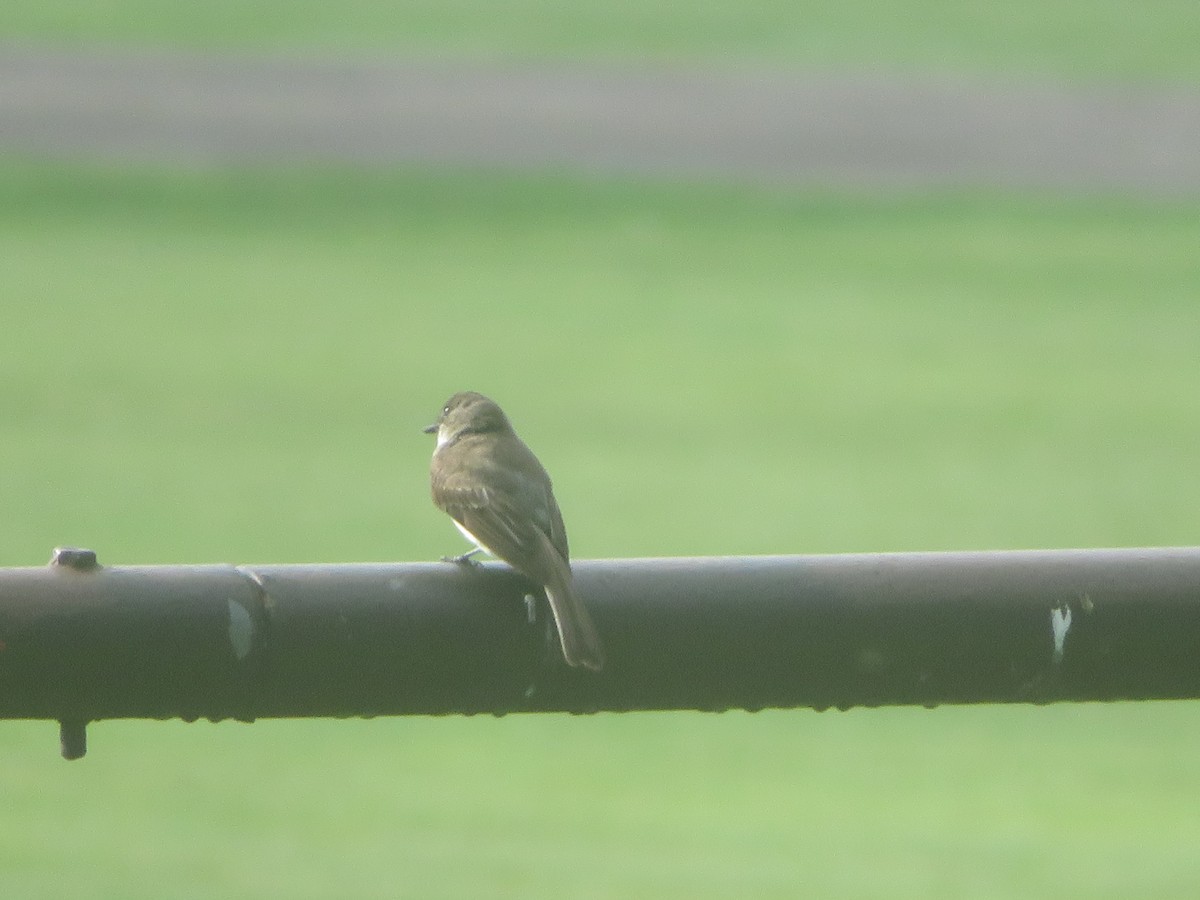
(463, 559)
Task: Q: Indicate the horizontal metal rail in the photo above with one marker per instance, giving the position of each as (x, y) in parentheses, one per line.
(81, 642)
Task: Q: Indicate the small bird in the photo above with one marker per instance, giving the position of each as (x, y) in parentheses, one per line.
(500, 497)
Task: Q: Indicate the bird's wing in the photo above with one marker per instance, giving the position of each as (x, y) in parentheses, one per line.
(494, 521)
(558, 531)
(485, 514)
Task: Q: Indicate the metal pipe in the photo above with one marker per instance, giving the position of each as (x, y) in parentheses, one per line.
(81, 642)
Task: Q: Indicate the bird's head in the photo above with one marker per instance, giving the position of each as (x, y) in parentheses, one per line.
(467, 413)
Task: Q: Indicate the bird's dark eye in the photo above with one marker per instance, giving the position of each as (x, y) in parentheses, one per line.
(445, 410)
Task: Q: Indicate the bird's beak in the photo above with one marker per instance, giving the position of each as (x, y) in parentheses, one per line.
(430, 429)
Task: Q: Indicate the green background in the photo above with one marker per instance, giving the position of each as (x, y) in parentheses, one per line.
(1068, 37)
(234, 366)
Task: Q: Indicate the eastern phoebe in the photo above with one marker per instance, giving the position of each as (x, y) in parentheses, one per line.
(500, 498)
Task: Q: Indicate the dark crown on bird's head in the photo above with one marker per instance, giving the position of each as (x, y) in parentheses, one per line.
(472, 412)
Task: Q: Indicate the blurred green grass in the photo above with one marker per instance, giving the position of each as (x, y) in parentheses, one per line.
(1084, 801)
(704, 370)
(1105, 38)
(235, 366)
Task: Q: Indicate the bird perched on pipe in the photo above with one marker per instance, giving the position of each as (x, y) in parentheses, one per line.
(493, 487)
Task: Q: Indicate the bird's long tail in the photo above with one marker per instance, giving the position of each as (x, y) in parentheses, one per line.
(581, 645)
